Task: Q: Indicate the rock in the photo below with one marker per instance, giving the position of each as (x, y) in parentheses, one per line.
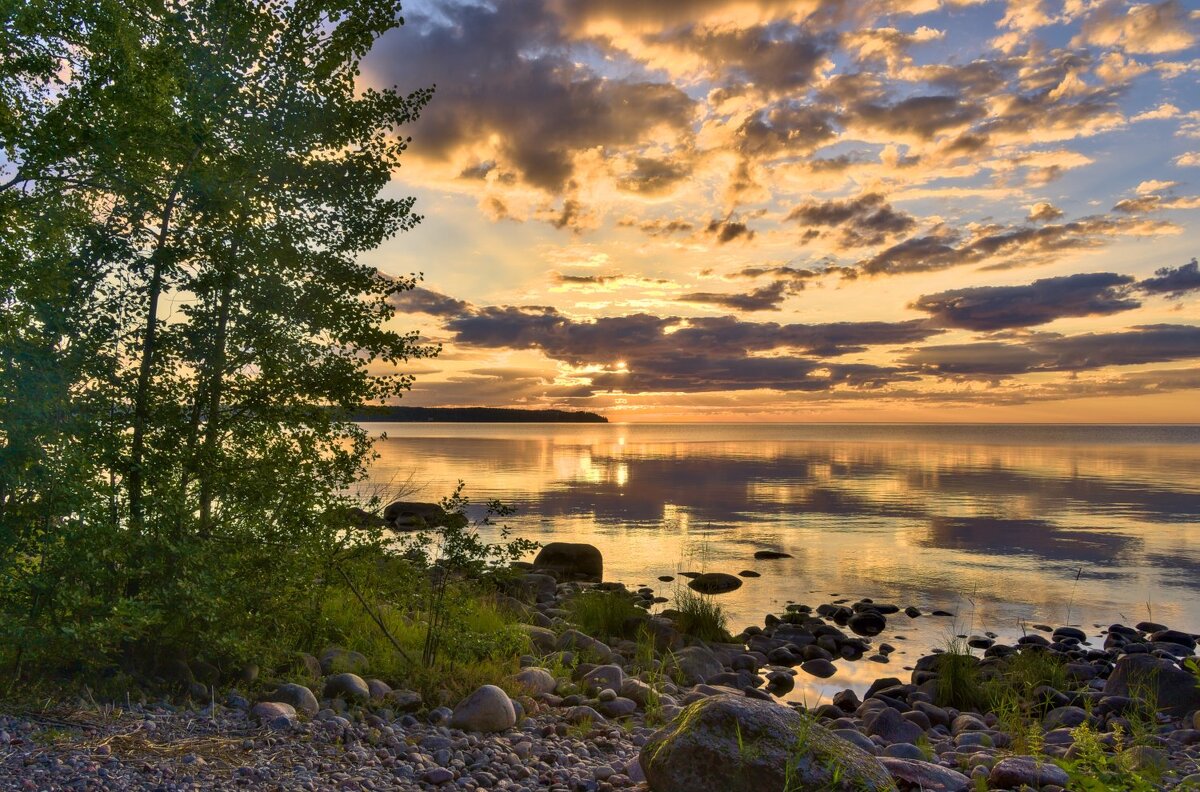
(738, 744)
(1137, 675)
(335, 659)
(580, 642)
(411, 515)
(437, 776)
(867, 623)
(666, 578)
(538, 681)
(891, 726)
(1016, 771)
(488, 709)
(715, 583)
(347, 686)
(748, 573)
(571, 561)
(768, 555)
(605, 677)
(1064, 718)
(297, 696)
(543, 640)
(404, 700)
(378, 689)
(618, 707)
(269, 711)
(583, 714)
(903, 750)
(918, 774)
(307, 665)
(819, 667)
(696, 664)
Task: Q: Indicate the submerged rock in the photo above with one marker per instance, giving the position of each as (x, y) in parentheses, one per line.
(715, 583)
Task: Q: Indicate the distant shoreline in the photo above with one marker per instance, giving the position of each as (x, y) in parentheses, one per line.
(471, 415)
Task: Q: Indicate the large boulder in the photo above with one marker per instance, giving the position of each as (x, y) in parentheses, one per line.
(488, 709)
(413, 515)
(298, 696)
(1016, 772)
(715, 583)
(739, 744)
(925, 776)
(347, 686)
(571, 561)
(1144, 676)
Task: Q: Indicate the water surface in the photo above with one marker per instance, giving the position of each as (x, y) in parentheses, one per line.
(1005, 526)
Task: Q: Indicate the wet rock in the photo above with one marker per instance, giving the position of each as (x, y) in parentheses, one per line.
(571, 561)
(705, 748)
(819, 668)
(715, 583)
(767, 555)
(867, 623)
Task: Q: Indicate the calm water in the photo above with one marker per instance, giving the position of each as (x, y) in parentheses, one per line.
(1002, 525)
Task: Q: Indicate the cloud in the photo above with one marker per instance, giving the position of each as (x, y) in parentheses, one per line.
(654, 176)
(1049, 353)
(1190, 159)
(865, 220)
(728, 230)
(987, 308)
(1173, 282)
(427, 301)
(1043, 212)
(506, 78)
(1152, 28)
(765, 298)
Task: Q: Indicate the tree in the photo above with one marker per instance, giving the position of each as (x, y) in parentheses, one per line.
(199, 179)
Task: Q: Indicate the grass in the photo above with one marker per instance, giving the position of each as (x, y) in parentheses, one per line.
(700, 617)
(1008, 692)
(605, 614)
(483, 645)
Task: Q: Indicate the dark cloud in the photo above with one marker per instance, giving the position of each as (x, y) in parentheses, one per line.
(781, 272)
(765, 298)
(865, 220)
(1030, 243)
(1139, 205)
(427, 301)
(1173, 282)
(658, 227)
(728, 230)
(1002, 307)
(508, 73)
(994, 359)
(773, 57)
(653, 176)
(787, 127)
(923, 116)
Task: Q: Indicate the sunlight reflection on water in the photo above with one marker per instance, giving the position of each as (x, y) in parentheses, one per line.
(990, 522)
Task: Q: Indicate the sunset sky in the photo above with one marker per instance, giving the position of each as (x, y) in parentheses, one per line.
(673, 210)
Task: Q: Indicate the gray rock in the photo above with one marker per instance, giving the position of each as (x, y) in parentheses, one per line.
(696, 664)
(488, 709)
(891, 726)
(404, 700)
(571, 561)
(347, 686)
(1016, 771)
(928, 777)
(538, 681)
(715, 583)
(605, 676)
(738, 744)
(1138, 675)
(269, 711)
(904, 751)
(543, 640)
(618, 707)
(636, 690)
(1064, 718)
(298, 696)
(378, 689)
(577, 641)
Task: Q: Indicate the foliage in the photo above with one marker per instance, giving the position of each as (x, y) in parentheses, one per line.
(700, 616)
(185, 190)
(1095, 770)
(605, 615)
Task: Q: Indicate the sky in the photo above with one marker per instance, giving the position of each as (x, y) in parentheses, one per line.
(770, 210)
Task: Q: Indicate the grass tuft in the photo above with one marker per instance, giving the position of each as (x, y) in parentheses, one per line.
(700, 617)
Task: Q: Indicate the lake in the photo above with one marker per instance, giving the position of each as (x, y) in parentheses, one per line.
(1003, 525)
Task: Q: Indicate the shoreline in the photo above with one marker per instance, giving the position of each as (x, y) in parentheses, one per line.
(583, 711)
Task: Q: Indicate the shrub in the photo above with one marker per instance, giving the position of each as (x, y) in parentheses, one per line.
(605, 614)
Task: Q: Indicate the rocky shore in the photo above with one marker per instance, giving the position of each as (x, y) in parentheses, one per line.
(668, 712)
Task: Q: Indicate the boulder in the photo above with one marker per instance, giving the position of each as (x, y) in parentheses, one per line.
(412, 515)
(739, 744)
(696, 664)
(768, 555)
(537, 681)
(1015, 772)
(581, 642)
(378, 689)
(714, 583)
(605, 677)
(1144, 676)
(819, 667)
(867, 623)
(544, 640)
(404, 700)
(347, 686)
(571, 561)
(297, 696)
(488, 709)
(925, 776)
(269, 711)
(890, 726)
